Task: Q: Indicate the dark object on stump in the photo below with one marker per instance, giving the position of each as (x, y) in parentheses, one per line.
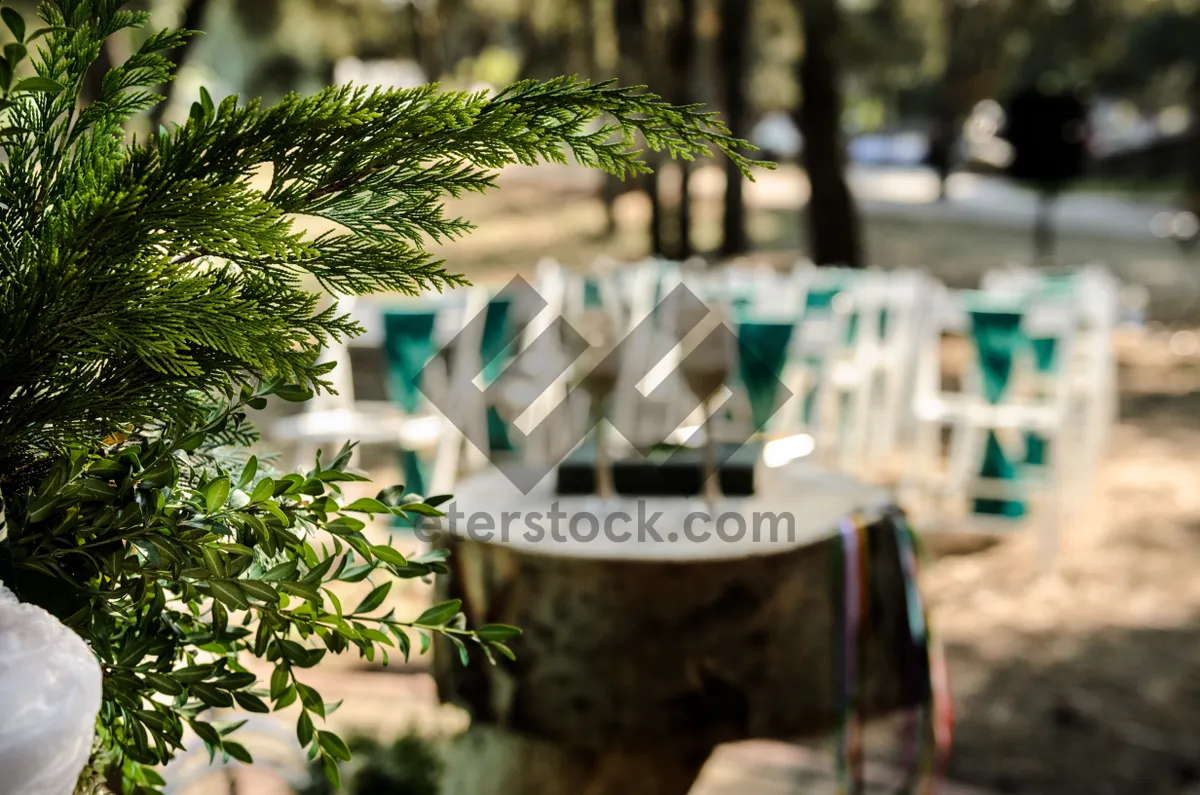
(1048, 132)
(678, 474)
(636, 663)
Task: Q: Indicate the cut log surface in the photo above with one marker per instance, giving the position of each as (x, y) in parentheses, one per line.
(669, 648)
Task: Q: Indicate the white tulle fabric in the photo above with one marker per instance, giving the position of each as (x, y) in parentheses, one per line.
(49, 698)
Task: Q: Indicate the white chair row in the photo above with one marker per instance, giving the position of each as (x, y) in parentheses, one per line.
(1034, 404)
(861, 352)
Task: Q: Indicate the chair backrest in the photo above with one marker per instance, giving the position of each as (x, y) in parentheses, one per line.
(341, 396)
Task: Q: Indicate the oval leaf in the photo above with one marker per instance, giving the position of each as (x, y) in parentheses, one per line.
(367, 505)
(164, 684)
(15, 22)
(375, 598)
(438, 615)
(491, 632)
(388, 555)
(229, 593)
(333, 745)
(215, 494)
(37, 83)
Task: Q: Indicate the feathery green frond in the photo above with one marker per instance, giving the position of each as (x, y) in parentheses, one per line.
(133, 273)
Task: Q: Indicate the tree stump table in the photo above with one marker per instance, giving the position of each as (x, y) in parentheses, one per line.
(639, 655)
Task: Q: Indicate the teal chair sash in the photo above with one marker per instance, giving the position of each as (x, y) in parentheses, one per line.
(496, 348)
(762, 354)
(1045, 358)
(408, 347)
(997, 335)
(592, 298)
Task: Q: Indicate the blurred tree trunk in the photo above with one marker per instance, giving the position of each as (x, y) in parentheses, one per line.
(949, 109)
(832, 217)
(630, 19)
(682, 46)
(193, 19)
(733, 64)
(432, 50)
(605, 56)
(1192, 168)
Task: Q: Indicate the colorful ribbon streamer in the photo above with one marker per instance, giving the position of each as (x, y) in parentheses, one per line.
(926, 731)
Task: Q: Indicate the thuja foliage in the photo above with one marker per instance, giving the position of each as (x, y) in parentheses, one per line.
(153, 291)
(135, 272)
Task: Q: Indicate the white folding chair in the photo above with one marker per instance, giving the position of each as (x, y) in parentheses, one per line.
(1030, 400)
(331, 418)
(1092, 367)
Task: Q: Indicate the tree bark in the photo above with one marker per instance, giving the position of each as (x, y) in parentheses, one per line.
(630, 20)
(832, 216)
(733, 60)
(193, 19)
(1191, 199)
(682, 43)
(949, 107)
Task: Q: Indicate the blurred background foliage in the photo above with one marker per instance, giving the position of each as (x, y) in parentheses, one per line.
(927, 75)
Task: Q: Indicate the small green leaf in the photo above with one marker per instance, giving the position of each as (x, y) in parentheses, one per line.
(206, 732)
(432, 556)
(259, 590)
(497, 632)
(193, 673)
(424, 642)
(228, 727)
(367, 505)
(332, 773)
(215, 562)
(375, 598)
(333, 745)
(311, 699)
(164, 684)
(287, 699)
(402, 641)
(211, 695)
(14, 53)
(388, 555)
(251, 703)
(161, 473)
(237, 680)
(215, 493)
(302, 590)
(500, 647)
(263, 491)
(229, 593)
(420, 509)
(237, 751)
(376, 636)
(283, 571)
(40, 84)
(248, 472)
(304, 729)
(439, 614)
(463, 656)
(15, 22)
(280, 679)
(293, 393)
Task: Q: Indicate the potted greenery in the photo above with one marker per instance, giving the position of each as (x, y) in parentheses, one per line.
(152, 294)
